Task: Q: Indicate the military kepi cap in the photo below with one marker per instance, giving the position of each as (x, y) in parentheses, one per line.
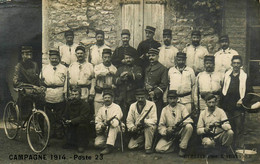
(209, 58)
(172, 93)
(125, 32)
(236, 57)
(150, 28)
(224, 37)
(26, 48)
(108, 92)
(140, 91)
(181, 55)
(54, 52)
(210, 96)
(167, 32)
(196, 32)
(100, 32)
(153, 51)
(107, 51)
(80, 48)
(69, 33)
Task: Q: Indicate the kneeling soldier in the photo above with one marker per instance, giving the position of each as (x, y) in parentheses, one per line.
(77, 119)
(173, 115)
(141, 122)
(213, 125)
(107, 123)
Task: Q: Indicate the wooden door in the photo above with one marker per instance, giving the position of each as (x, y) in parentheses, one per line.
(137, 14)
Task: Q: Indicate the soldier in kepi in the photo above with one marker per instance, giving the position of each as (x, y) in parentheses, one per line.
(146, 45)
(174, 114)
(54, 78)
(155, 80)
(108, 123)
(128, 78)
(182, 79)
(195, 53)
(67, 51)
(81, 73)
(141, 122)
(208, 81)
(77, 120)
(213, 126)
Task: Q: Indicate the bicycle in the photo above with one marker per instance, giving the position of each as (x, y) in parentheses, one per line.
(37, 123)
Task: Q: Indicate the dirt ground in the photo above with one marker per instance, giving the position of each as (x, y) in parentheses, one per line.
(9, 149)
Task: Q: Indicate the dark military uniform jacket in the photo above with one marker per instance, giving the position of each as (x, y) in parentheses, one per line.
(143, 49)
(126, 86)
(26, 74)
(156, 79)
(118, 56)
(78, 112)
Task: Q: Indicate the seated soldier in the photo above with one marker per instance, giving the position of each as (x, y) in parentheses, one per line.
(172, 114)
(211, 128)
(107, 123)
(141, 122)
(77, 119)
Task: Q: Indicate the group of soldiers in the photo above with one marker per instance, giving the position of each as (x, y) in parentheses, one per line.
(154, 90)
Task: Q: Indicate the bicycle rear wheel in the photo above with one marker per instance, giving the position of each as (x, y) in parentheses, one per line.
(38, 131)
(11, 120)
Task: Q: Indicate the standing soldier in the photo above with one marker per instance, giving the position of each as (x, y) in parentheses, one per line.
(108, 123)
(236, 86)
(95, 56)
(195, 53)
(81, 73)
(54, 79)
(141, 122)
(104, 74)
(208, 81)
(167, 51)
(128, 78)
(209, 128)
(118, 55)
(182, 79)
(224, 55)
(146, 45)
(67, 51)
(172, 114)
(156, 80)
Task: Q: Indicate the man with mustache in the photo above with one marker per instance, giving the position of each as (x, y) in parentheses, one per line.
(104, 74)
(136, 114)
(182, 79)
(67, 51)
(128, 78)
(118, 55)
(77, 119)
(95, 52)
(107, 123)
(208, 81)
(81, 73)
(147, 44)
(195, 53)
(156, 80)
(171, 114)
(224, 55)
(54, 77)
(236, 86)
(26, 73)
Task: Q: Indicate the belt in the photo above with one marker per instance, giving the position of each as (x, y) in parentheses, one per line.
(54, 86)
(98, 89)
(84, 86)
(184, 94)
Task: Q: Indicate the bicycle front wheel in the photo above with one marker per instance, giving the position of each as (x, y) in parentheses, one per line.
(38, 131)
(11, 120)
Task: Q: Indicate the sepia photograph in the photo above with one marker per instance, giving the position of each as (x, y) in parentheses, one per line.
(130, 81)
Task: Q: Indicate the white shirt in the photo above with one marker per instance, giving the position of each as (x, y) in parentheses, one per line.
(223, 59)
(96, 54)
(67, 53)
(195, 57)
(101, 69)
(182, 82)
(167, 55)
(54, 76)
